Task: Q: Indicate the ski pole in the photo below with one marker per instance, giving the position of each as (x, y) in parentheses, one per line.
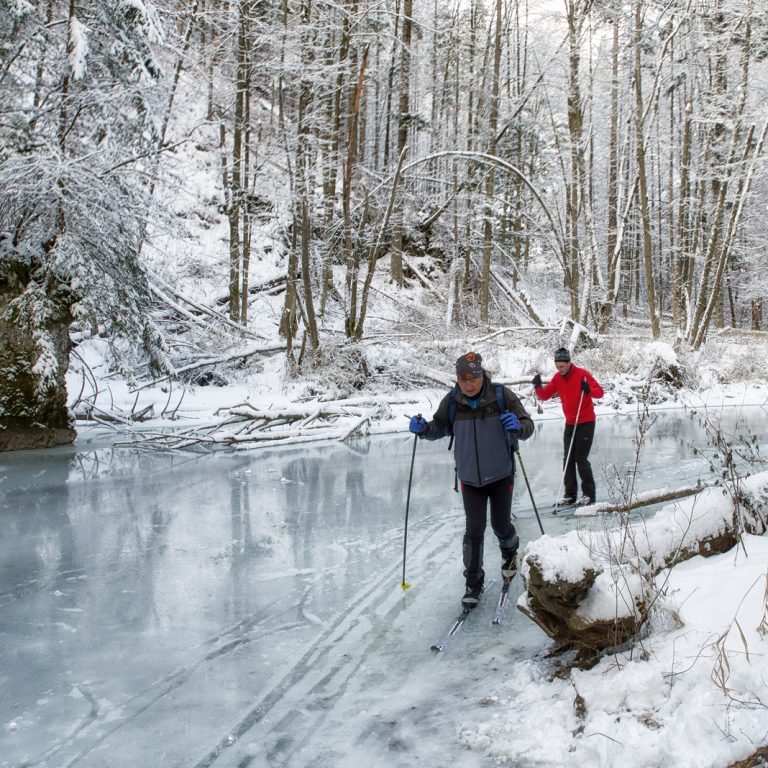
(568, 455)
(403, 582)
(530, 492)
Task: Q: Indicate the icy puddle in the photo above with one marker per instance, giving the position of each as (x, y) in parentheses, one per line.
(246, 610)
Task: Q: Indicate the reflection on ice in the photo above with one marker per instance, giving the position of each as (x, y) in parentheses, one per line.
(244, 609)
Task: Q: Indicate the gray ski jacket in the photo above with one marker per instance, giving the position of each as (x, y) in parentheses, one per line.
(482, 452)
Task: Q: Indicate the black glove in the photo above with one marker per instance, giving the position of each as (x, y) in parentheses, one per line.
(417, 425)
(585, 387)
(537, 381)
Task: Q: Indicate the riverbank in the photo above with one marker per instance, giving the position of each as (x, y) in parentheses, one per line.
(402, 379)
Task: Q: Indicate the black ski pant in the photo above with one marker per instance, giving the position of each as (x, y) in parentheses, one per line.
(476, 500)
(579, 459)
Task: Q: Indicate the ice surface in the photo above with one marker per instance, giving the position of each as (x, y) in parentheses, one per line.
(245, 609)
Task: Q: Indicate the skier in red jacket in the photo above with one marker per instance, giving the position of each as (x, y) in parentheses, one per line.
(576, 388)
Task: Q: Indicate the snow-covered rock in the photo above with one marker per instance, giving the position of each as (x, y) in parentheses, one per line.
(594, 589)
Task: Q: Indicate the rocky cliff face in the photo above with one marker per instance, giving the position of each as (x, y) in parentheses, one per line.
(34, 356)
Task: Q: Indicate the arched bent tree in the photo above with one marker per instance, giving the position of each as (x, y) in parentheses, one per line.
(554, 232)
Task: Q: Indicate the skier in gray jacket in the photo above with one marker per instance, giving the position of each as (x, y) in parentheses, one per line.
(486, 420)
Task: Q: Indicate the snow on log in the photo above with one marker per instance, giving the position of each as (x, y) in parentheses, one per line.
(595, 589)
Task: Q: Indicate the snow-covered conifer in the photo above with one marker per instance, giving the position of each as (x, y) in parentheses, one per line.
(80, 81)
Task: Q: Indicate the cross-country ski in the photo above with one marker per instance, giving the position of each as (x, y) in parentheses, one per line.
(501, 605)
(459, 621)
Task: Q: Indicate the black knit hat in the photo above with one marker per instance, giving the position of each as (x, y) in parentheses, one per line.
(562, 355)
(469, 366)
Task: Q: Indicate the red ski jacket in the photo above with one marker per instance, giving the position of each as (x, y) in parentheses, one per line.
(569, 389)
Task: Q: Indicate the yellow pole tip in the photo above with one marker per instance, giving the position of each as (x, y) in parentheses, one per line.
(405, 585)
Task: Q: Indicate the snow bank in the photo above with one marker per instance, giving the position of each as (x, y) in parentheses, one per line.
(561, 557)
(619, 556)
(665, 703)
(691, 694)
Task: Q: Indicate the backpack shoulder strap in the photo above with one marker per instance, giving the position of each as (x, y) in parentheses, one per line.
(499, 389)
(452, 408)
(511, 439)
(451, 416)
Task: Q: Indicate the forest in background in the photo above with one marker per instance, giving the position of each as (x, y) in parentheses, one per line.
(611, 153)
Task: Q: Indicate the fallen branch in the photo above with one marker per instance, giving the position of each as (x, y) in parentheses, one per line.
(512, 329)
(268, 288)
(422, 278)
(644, 499)
(247, 426)
(439, 377)
(201, 308)
(518, 297)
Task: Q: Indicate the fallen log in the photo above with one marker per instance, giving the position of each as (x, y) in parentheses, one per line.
(594, 590)
(757, 759)
(644, 499)
(214, 361)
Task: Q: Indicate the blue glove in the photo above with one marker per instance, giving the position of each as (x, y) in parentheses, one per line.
(585, 387)
(510, 422)
(418, 424)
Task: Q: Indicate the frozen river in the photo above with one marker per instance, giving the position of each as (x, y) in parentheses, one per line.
(244, 609)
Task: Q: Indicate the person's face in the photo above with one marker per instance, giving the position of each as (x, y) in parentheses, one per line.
(470, 387)
(562, 367)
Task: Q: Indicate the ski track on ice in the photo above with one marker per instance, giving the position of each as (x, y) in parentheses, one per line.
(320, 678)
(310, 684)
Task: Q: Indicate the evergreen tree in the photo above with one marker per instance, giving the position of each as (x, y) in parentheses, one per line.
(78, 81)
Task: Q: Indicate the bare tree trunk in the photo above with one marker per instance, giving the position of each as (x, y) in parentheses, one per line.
(731, 301)
(519, 80)
(336, 127)
(679, 305)
(236, 178)
(246, 216)
(352, 254)
(613, 177)
(641, 172)
(576, 11)
(757, 314)
(40, 69)
(306, 275)
(191, 24)
(391, 88)
(403, 118)
(288, 318)
(493, 119)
